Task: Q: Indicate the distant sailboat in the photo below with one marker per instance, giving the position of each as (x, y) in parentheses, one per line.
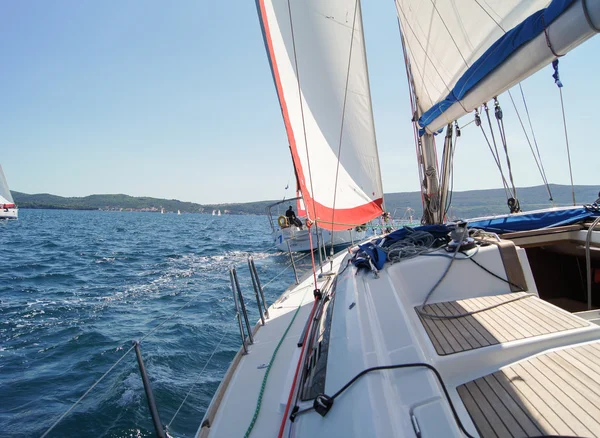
(214, 212)
(8, 209)
(178, 212)
(162, 210)
(219, 213)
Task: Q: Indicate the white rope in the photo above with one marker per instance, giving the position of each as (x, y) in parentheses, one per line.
(285, 269)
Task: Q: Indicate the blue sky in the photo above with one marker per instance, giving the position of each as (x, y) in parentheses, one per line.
(175, 100)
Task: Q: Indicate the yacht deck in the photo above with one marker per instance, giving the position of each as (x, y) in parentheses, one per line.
(557, 393)
(520, 319)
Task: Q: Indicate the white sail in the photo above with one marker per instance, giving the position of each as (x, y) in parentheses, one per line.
(317, 54)
(5, 195)
(463, 53)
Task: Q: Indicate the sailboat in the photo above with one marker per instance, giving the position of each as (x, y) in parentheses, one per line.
(296, 236)
(178, 212)
(214, 212)
(219, 213)
(480, 328)
(8, 209)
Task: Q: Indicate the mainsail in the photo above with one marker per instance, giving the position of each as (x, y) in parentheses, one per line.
(5, 195)
(463, 53)
(318, 60)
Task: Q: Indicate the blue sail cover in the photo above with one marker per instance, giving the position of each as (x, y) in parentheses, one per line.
(534, 221)
(496, 54)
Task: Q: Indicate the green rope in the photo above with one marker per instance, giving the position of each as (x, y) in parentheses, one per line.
(264, 382)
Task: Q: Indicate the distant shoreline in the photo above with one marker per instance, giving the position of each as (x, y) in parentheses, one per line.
(472, 203)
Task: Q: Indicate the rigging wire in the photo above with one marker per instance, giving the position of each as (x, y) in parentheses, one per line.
(339, 155)
(535, 158)
(514, 208)
(497, 155)
(165, 319)
(197, 379)
(303, 123)
(559, 84)
(496, 159)
(562, 106)
(535, 141)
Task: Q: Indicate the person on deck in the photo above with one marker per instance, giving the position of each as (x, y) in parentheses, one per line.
(292, 219)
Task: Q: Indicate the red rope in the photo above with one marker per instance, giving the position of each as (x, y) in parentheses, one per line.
(300, 360)
(312, 251)
(312, 312)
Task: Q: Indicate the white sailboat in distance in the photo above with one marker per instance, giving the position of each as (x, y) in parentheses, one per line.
(8, 209)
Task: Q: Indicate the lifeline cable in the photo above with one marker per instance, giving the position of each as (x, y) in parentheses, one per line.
(197, 379)
(264, 382)
(165, 320)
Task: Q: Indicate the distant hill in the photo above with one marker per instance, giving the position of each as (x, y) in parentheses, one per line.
(474, 203)
(466, 204)
(134, 203)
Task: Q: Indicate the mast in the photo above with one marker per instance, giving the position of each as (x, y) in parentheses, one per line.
(460, 55)
(426, 153)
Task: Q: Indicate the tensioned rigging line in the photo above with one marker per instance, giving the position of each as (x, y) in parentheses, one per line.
(559, 84)
(303, 124)
(339, 155)
(496, 159)
(197, 378)
(165, 319)
(501, 130)
(451, 169)
(535, 158)
(534, 139)
(497, 156)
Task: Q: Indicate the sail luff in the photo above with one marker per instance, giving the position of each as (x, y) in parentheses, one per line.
(310, 68)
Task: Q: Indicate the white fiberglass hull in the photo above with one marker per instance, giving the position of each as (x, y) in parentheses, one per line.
(368, 320)
(9, 213)
(299, 239)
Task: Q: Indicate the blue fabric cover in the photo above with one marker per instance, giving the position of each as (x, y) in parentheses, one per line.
(498, 52)
(376, 254)
(438, 231)
(533, 221)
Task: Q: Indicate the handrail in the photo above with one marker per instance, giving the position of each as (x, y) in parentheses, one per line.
(260, 296)
(243, 305)
(292, 259)
(237, 307)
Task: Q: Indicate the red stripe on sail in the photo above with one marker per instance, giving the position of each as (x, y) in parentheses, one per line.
(343, 218)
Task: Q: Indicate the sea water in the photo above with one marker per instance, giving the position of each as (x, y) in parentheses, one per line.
(76, 287)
